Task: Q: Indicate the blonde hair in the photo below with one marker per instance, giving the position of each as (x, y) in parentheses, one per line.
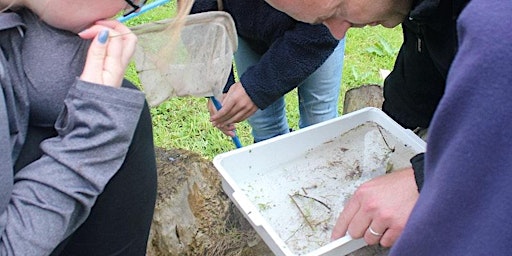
(174, 30)
(3, 9)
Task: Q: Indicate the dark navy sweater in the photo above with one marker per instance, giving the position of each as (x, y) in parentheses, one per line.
(465, 205)
(291, 50)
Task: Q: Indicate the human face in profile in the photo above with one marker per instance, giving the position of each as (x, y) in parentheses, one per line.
(75, 15)
(340, 15)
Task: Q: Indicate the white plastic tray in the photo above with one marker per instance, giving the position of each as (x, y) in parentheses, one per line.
(292, 188)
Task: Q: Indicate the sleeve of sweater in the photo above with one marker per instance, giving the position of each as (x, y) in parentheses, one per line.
(418, 165)
(52, 196)
(289, 61)
(464, 206)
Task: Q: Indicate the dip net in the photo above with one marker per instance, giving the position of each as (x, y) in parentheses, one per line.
(189, 55)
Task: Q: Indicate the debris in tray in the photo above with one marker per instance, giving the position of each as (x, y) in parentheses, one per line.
(306, 194)
(306, 217)
(355, 173)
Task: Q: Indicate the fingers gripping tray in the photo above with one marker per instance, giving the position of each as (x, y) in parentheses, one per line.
(292, 188)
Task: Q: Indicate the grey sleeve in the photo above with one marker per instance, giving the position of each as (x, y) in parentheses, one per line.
(52, 196)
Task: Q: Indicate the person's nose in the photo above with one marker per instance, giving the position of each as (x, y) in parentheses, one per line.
(337, 27)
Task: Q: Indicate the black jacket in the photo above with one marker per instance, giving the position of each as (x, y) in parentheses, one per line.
(415, 86)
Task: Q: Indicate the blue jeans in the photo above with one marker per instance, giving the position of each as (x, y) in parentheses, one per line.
(318, 95)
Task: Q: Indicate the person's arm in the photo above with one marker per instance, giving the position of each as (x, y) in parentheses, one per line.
(52, 196)
(290, 60)
(49, 198)
(392, 195)
(383, 203)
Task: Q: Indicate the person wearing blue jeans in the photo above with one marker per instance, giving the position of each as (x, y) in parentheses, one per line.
(318, 94)
(276, 54)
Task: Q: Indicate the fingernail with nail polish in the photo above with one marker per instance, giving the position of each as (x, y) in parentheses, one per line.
(103, 36)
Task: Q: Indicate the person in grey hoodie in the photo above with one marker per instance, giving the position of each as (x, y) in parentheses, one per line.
(77, 165)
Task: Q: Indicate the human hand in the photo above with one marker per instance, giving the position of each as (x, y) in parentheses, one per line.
(236, 107)
(229, 129)
(384, 204)
(109, 54)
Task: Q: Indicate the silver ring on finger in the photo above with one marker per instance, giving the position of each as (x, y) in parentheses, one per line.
(373, 232)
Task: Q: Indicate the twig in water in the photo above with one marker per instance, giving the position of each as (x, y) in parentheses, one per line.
(312, 198)
(384, 138)
(302, 213)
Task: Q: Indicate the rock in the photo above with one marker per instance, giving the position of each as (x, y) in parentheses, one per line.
(365, 96)
(193, 216)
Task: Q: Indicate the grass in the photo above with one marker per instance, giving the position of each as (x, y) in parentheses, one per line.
(184, 122)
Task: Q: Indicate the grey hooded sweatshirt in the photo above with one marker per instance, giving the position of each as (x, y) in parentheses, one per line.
(41, 204)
